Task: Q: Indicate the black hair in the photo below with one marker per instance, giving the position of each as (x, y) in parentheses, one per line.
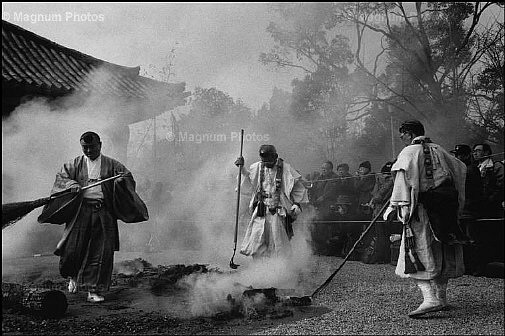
(329, 163)
(366, 164)
(387, 167)
(89, 136)
(266, 150)
(485, 148)
(343, 165)
(412, 126)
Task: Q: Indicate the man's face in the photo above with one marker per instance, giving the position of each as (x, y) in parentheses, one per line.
(363, 170)
(406, 138)
(268, 159)
(478, 153)
(341, 171)
(326, 170)
(91, 150)
(342, 209)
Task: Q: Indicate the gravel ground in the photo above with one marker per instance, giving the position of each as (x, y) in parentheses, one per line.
(371, 299)
(361, 299)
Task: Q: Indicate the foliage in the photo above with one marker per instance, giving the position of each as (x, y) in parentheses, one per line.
(429, 55)
(305, 40)
(486, 103)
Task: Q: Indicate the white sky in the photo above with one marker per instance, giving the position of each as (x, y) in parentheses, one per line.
(216, 44)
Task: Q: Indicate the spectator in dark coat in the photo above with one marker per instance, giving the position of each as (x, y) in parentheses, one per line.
(345, 234)
(473, 182)
(311, 186)
(378, 246)
(475, 254)
(364, 184)
(488, 238)
(324, 198)
(326, 190)
(492, 180)
(344, 185)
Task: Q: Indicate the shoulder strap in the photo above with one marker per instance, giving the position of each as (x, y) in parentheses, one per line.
(428, 164)
(278, 175)
(262, 177)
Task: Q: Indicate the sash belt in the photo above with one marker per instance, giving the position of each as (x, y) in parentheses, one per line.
(94, 203)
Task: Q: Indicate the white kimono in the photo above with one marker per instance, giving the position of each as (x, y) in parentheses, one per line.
(266, 236)
(409, 171)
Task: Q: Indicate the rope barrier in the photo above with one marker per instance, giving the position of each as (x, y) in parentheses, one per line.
(345, 177)
(373, 174)
(350, 221)
(318, 222)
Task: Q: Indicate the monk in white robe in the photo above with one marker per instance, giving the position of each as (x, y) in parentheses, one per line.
(277, 191)
(441, 260)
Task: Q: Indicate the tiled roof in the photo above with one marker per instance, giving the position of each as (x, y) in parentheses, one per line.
(46, 67)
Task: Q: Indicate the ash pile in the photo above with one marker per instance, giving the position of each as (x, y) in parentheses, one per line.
(239, 301)
(257, 303)
(161, 280)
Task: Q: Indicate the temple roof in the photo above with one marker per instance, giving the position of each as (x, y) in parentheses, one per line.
(40, 66)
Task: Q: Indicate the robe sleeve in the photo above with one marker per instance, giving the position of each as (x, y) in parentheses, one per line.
(66, 178)
(299, 192)
(401, 190)
(126, 203)
(62, 209)
(248, 182)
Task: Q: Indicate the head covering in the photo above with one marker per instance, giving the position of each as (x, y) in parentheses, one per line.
(387, 167)
(412, 126)
(365, 164)
(266, 150)
(462, 150)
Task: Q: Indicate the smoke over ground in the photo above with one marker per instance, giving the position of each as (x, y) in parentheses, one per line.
(37, 140)
(199, 215)
(208, 292)
(199, 222)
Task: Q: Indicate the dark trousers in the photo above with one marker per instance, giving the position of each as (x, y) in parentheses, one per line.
(89, 252)
(476, 255)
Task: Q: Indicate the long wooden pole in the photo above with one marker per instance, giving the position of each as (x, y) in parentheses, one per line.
(232, 264)
(363, 234)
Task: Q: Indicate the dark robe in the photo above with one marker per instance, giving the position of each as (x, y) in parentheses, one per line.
(326, 195)
(364, 186)
(91, 234)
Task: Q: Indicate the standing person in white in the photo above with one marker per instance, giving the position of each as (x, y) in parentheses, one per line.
(277, 192)
(428, 192)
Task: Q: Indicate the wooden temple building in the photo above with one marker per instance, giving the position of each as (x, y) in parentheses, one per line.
(33, 66)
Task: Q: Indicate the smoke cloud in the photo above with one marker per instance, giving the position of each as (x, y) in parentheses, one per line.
(197, 219)
(38, 137)
(209, 292)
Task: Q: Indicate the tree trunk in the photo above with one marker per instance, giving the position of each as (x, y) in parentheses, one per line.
(45, 302)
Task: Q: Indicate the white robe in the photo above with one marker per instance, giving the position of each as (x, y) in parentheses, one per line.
(437, 258)
(266, 236)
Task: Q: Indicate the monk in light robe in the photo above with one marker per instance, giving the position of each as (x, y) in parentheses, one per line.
(277, 192)
(421, 168)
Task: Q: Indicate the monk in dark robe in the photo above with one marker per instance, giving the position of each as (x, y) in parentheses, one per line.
(90, 215)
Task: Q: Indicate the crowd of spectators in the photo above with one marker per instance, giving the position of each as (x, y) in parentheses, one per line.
(346, 203)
